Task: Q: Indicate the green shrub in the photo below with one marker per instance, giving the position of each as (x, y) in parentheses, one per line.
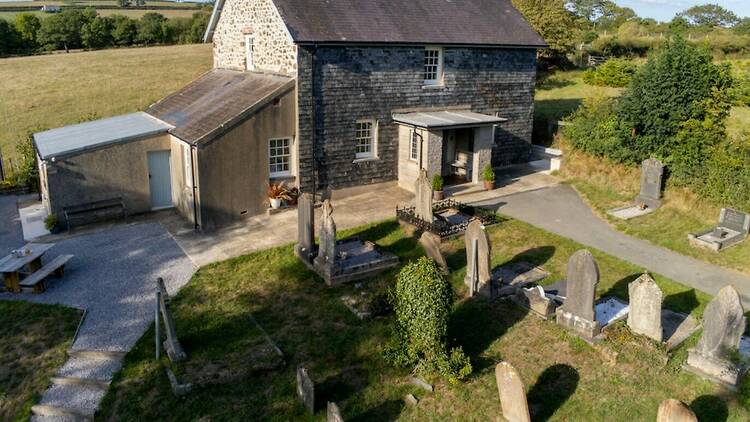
(727, 177)
(488, 173)
(594, 128)
(614, 72)
(27, 173)
(740, 90)
(423, 307)
(437, 182)
(50, 222)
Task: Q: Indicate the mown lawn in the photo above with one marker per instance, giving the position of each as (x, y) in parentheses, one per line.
(623, 379)
(44, 92)
(33, 343)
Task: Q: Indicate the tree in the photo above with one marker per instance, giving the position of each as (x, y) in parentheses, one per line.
(612, 15)
(679, 25)
(151, 28)
(553, 21)
(27, 26)
(743, 27)
(198, 27)
(8, 38)
(97, 33)
(123, 3)
(710, 15)
(124, 30)
(63, 30)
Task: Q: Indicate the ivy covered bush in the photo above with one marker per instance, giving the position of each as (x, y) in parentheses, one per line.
(423, 301)
(614, 72)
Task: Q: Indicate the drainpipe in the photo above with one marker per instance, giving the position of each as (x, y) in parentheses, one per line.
(421, 143)
(315, 170)
(195, 198)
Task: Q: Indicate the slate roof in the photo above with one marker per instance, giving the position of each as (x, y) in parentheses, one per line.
(447, 119)
(76, 139)
(215, 102)
(457, 22)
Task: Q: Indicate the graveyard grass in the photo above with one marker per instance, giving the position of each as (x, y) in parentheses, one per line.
(566, 379)
(33, 343)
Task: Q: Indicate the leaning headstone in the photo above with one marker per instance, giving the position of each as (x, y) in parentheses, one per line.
(577, 312)
(172, 345)
(305, 247)
(478, 251)
(423, 197)
(327, 249)
(333, 413)
(652, 173)
(645, 307)
(723, 325)
(305, 389)
(512, 393)
(431, 244)
(671, 410)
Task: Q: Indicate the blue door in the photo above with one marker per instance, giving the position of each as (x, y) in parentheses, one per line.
(160, 179)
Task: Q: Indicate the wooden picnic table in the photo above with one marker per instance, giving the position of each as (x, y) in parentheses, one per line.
(11, 266)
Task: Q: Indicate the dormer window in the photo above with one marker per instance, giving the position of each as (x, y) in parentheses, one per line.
(433, 66)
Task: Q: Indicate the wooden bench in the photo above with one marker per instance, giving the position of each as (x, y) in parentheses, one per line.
(94, 211)
(36, 279)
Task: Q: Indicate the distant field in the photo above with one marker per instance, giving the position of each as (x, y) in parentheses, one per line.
(131, 13)
(44, 92)
(89, 3)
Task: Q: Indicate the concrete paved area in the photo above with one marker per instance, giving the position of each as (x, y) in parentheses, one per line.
(11, 235)
(560, 210)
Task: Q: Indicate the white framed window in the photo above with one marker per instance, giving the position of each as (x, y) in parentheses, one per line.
(433, 66)
(249, 52)
(280, 157)
(187, 165)
(414, 146)
(365, 138)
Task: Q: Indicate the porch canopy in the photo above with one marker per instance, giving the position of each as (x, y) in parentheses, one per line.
(447, 119)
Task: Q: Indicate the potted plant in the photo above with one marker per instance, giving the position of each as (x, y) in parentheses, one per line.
(277, 192)
(488, 175)
(437, 188)
(51, 223)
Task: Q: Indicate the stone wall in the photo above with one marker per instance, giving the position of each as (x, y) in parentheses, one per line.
(353, 83)
(273, 48)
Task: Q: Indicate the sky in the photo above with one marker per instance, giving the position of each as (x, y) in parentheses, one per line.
(665, 10)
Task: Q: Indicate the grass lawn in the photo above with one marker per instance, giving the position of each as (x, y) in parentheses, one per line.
(33, 343)
(44, 92)
(131, 13)
(623, 379)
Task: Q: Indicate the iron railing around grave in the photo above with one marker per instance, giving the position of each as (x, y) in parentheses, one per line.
(442, 227)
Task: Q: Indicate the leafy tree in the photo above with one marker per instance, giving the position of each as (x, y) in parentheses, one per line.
(743, 27)
(679, 25)
(710, 15)
(124, 30)
(27, 26)
(97, 33)
(198, 27)
(151, 28)
(123, 3)
(63, 30)
(612, 16)
(553, 21)
(8, 38)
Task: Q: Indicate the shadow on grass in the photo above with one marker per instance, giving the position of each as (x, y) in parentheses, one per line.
(386, 411)
(710, 408)
(537, 256)
(339, 387)
(552, 389)
(620, 288)
(684, 302)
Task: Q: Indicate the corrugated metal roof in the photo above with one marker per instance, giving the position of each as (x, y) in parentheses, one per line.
(470, 22)
(447, 119)
(75, 139)
(213, 103)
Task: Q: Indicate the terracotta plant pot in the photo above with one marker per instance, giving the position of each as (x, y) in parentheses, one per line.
(438, 195)
(489, 184)
(275, 203)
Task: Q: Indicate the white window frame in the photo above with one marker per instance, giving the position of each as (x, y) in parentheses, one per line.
(289, 156)
(372, 153)
(187, 164)
(249, 52)
(414, 146)
(438, 80)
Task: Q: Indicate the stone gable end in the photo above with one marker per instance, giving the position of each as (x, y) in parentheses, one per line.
(273, 48)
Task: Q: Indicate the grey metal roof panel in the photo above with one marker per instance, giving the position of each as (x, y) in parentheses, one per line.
(75, 139)
(447, 119)
(457, 22)
(213, 103)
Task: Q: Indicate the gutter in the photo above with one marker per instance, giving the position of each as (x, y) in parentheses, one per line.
(215, 14)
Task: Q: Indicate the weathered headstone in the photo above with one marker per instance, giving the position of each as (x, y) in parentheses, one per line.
(305, 389)
(512, 393)
(423, 197)
(431, 244)
(305, 247)
(172, 345)
(734, 220)
(723, 325)
(327, 249)
(652, 173)
(577, 312)
(478, 252)
(671, 410)
(733, 228)
(333, 413)
(645, 307)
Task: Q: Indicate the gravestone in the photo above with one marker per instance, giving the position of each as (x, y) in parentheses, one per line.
(577, 312)
(172, 345)
(478, 251)
(423, 197)
(305, 247)
(732, 229)
(305, 389)
(431, 244)
(645, 307)
(734, 220)
(327, 250)
(652, 174)
(671, 410)
(512, 393)
(333, 413)
(723, 325)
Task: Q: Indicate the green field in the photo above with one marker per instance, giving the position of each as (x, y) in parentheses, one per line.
(44, 92)
(622, 379)
(129, 12)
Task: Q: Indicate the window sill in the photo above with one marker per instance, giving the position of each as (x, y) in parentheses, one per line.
(437, 87)
(282, 177)
(365, 159)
